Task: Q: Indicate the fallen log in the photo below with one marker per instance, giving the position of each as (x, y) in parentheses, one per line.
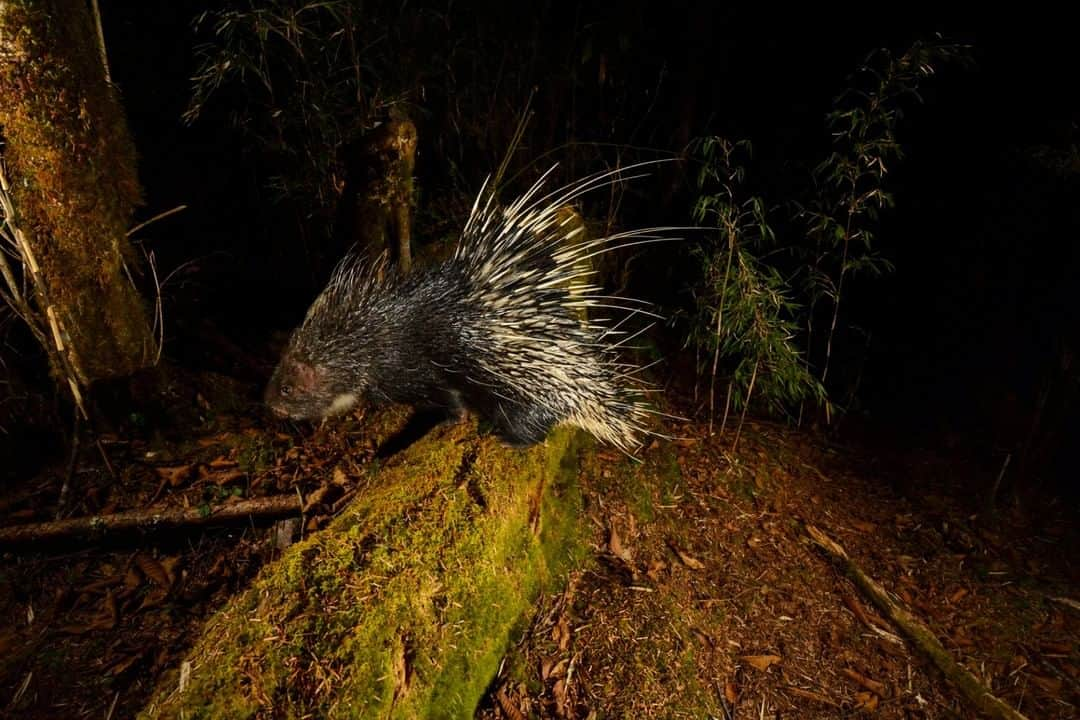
(403, 606)
(153, 518)
(919, 634)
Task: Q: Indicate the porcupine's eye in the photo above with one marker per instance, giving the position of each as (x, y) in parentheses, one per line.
(285, 390)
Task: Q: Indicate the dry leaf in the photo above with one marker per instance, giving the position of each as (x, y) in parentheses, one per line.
(703, 637)
(222, 462)
(170, 564)
(509, 708)
(132, 578)
(656, 566)
(762, 662)
(687, 560)
(546, 666)
(866, 701)
(730, 694)
(153, 598)
(862, 526)
(958, 596)
(153, 570)
(617, 548)
(561, 699)
(174, 476)
(561, 633)
(340, 478)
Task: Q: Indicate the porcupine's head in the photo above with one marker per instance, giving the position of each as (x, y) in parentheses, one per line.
(325, 367)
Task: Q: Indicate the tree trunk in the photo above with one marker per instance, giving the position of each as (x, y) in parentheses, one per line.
(376, 204)
(71, 165)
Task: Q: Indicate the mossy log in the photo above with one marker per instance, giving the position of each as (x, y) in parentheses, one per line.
(71, 164)
(404, 605)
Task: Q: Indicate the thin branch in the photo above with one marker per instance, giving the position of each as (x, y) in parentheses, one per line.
(919, 634)
(149, 519)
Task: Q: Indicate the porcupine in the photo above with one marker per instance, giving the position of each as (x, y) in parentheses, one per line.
(494, 330)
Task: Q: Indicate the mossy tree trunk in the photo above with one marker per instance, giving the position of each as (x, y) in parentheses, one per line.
(375, 213)
(73, 184)
(404, 605)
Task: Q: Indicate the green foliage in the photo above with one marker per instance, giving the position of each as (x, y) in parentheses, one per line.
(850, 189)
(749, 314)
(301, 83)
(745, 313)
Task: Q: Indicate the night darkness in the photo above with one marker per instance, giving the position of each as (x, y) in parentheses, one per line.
(964, 334)
(949, 470)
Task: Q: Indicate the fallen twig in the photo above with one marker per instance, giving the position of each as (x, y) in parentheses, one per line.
(152, 518)
(977, 693)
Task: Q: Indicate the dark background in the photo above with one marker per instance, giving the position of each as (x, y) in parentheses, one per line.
(968, 332)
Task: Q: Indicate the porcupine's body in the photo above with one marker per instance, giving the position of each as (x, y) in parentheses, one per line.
(494, 329)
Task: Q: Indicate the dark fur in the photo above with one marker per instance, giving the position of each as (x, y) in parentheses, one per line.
(405, 346)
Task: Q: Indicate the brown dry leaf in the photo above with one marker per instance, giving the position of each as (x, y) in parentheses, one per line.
(762, 662)
(228, 476)
(508, 706)
(617, 548)
(863, 526)
(559, 669)
(170, 564)
(221, 462)
(730, 693)
(112, 610)
(340, 478)
(561, 633)
(546, 666)
(958, 596)
(317, 497)
(690, 562)
(656, 566)
(153, 598)
(562, 701)
(175, 476)
(153, 570)
(132, 578)
(866, 701)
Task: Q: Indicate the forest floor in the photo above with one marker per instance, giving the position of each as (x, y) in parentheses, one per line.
(703, 597)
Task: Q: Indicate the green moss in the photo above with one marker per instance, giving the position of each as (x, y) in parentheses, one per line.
(73, 181)
(406, 603)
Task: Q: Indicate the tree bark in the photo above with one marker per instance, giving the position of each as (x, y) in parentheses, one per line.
(71, 164)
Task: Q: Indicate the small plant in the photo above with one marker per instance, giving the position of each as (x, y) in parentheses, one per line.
(745, 315)
(850, 183)
(300, 82)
